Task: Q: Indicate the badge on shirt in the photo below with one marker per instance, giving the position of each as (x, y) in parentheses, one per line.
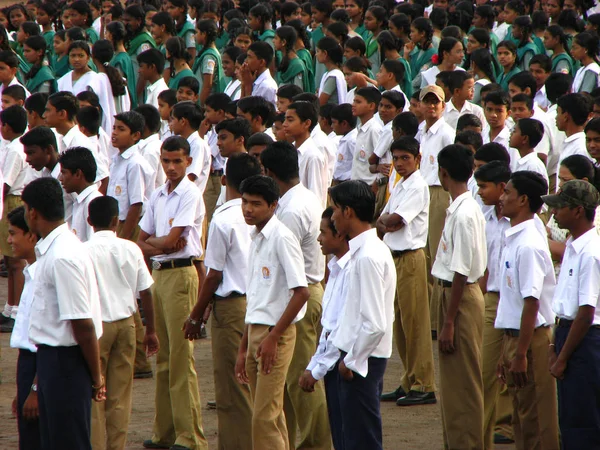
(171, 222)
(74, 231)
(340, 157)
(570, 272)
(444, 246)
(118, 190)
(431, 160)
(266, 273)
(509, 281)
(362, 155)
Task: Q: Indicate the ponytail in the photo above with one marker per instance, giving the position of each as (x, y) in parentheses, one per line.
(103, 52)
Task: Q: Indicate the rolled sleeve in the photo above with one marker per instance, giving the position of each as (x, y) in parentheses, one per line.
(72, 290)
(136, 185)
(216, 248)
(530, 266)
(290, 256)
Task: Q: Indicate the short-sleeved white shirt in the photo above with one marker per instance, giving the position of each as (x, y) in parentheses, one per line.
(15, 169)
(153, 90)
(433, 140)
(342, 169)
(150, 150)
(366, 141)
(19, 337)
(200, 153)
(494, 232)
(266, 87)
(533, 163)
(452, 114)
(78, 222)
(312, 165)
(75, 138)
(574, 145)
(324, 143)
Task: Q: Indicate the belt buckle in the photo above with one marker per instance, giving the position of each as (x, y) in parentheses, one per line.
(156, 265)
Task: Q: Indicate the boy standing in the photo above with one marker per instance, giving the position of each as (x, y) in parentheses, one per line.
(461, 85)
(364, 106)
(459, 263)
(149, 144)
(496, 107)
(255, 75)
(344, 125)
(571, 116)
(525, 136)
(166, 101)
(152, 65)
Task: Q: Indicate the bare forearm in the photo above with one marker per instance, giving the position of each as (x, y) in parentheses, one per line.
(131, 220)
(456, 292)
(528, 318)
(85, 336)
(148, 250)
(209, 287)
(103, 186)
(244, 342)
(296, 303)
(205, 92)
(146, 298)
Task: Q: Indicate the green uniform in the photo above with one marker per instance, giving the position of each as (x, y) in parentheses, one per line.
(209, 62)
(122, 61)
(306, 58)
(174, 81)
(39, 82)
(295, 73)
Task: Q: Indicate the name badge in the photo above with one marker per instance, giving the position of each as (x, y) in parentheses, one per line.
(266, 273)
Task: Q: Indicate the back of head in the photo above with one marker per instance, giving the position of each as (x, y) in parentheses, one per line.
(343, 113)
(239, 167)
(557, 85)
(468, 120)
(308, 97)
(262, 50)
(357, 196)
(168, 96)
(469, 138)
(151, 117)
(578, 106)
(532, 185)
(257, 107)
(45, 196)
(79, 158)
(396, 67)
(9, 58)
(457, 160)
(37, 103)
(533, 129)
(190, 111)
(492, 152)
(281, 158)
(65, 101)
(15, 117)
(457, 79)
(43, 137)
(493, 172)
(407, 122)
(152, 57)
(217, 101)
(90, 118)
(261, 186)
(289, 91)
(259, 139)
(102, 211)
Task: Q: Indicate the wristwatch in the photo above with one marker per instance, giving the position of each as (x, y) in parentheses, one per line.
(192, 321)
(34, 387)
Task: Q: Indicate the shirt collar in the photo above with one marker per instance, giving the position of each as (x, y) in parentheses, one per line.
(86, 193)
(435, 127)
(367, 125)
(573, 137)
(155, 85)
(268, 229)
(349, 135)
(261, 78)
(356, 243)
(582, 241)
(43, 245)
(520, 227)
(405, 183)
(193, 137)
(528, 157)
(458, 201)
(182, 187)
(68, 138)
(236, 202)
(129, 152)
(144, 142)
(103, 234)
(305, 145)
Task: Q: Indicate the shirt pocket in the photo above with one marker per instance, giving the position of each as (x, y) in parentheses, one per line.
(511, 278)
(362, 154)
(267, 271)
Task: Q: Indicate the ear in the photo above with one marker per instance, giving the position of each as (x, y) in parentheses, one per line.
(89, 221)
(223, 180)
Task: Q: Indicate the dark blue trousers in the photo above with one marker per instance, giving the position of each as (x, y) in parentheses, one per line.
(579, 393)
(359, 408)
(29, 430)
(332, 393)
(65, 398)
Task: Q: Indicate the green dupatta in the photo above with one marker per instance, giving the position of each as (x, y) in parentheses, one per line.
(43, 75)
(306, 58)
(296, 66)
(219, 82)
(122, 61)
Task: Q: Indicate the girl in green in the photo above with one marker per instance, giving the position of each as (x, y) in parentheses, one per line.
(212, 11)
(178, 58)
(80, 15)
(389, 46)
(46, 14)
(178, 10)
(39, 78)
(483, 70)
(60, 57)
(522, 30)
(116, 34)
(555, 40)
(208, 67)
(291, 70)
(356, 11)
(419, 50)
(302, 42)
(259, 19)
(375, 22)
(162, 28)
(507, 57)
(333, 87)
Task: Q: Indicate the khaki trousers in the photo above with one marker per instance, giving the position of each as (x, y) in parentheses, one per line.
(535, 407)
(178, 419)
(461, 382)
(381, 197)
(411, 327)
(497, 406)
(438, 204)
(211, 195)
(307, 411)
(110, 419)
(234, 403)
(269, 430)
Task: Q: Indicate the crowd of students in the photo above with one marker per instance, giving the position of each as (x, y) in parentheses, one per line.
(318, 180)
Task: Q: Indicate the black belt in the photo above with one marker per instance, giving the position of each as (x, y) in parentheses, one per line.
(398, 253)
(448, 284)
(232, 295)
(172, 264)
(217, 173)
(513, 332)
(566, 323)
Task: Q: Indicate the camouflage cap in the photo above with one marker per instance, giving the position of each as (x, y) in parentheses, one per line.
(574, 193)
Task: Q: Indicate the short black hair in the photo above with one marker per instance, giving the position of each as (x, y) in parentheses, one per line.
(533, 129)
(45, 195)
(531, 184)
(217, 101)
(524, 80)
(396, 67)
(153, 57)
(289, 91)
(15, 91)
(102, 210)
(262, 186)
(492, 151)
(43, 137)
(327, 215)
(395, 98)
(169, 96)
(151, 117)
(523, 98)
(580, 167)
(343, 113)
(15, 117)
(65, 101)
(281, 158)
(557, 85)
(257, 107)
(16, 218)
(190, 111)
(90, 118)
(308, 97)
(262, 50)
(134, 121)
(468, 120)
(406, 144)
(499, 98)
(325, 112)
(356, 195)
(578, 106)
(493, 172)
(36, 102)
(457, 160)
(239, 127)
(79, 158)
(306, 111)
(239, 167)
(543, 61)
(457, 79)
(9, 58)
(191, 83)
(176, 143)
(259, 139)
(469, 137)
(407, 122)
(370, 94)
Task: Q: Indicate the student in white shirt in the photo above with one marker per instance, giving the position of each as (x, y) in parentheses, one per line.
(526, 135)
(276, 299)
(152, 66)
(26, 403)
(256, 78)
(459, 263)
(227, 254)
(299, 210)
(365, 328)
(171, 237)
(65, 322)
(88, 122)
(571, 116)
(461, 85)
(229, 57)
(573, 353)
(522, 107)
(496, 109)
(557, 85)
(344, 125)
(323, 364)
(364, 106)
(403, 225)
(9, 65)
(122, 275)
(150, 143)
(525, 314)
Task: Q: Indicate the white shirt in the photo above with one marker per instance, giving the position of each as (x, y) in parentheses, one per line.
(334, 299)
(75, 138)
(545, 145)
(574, 145)
(234, 89)
(462, 245)
(313, 170)
(533, 163)
(65, 290)
(78, 222)
(556, 144)
(153, 90)
(20, 333)
(68, 198)
(342, 169)
(150, 150)
(228, 248)
(183, 207)
(131, 180)
(275, 268)
(409, 200)
(579, 278)
(451, 113)
(218, 162)
(503, 138)
(300, 211)
(433, 140)
(366, 141)
(382, 149)
(540, 99)
(121, 273)
(266, 87)
(327, 146)
(526, 271)
(494, 231)
(15, 169)
(13, 82)
(429, 76)
(200, 153)
(365, 327)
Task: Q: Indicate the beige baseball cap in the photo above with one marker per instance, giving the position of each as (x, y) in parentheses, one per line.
(432, 89)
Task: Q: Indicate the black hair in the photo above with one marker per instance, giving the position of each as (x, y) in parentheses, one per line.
(259, 139)
(90, 118)
(325, 112)
(262, 186)
(263, 12)
(356, 195)
(380, 15)
(103, 51)
(446, 46)
(209, 27)
(523, 98)
(238, 127)
(133, 120)
(578, 106)
(257, 107)
(401, 21)
(593, 125)
(43, 137)
(217, 101)
(590, 42)
(232, 52)
(557, 85)
(190, 111)
(580, 167)
(137, 12)
(543, 61)
(36, 43)
(358, 64)
(263, 50)
(395, 98)
(289, 35)
(176, 143)
(407, 122)
(36, 102)
(177, 49)
(334, 50)
(306, 111)
(512, 48)
(169, 96)
(457, 160)
(281, 158)
(487, 12)
(469, 138)
(327, 215)
(83, 8)
(151, 117)
(89, 97)
(558, 32)
(343, 113)
(468, 120)
(439, 18)
(483, 59)
(289, 91)
(370, 94)
(569, 20)
(9, 58)
(308, 97)
(499, 98)
(15, 91)
(396, 67)
(424, 25)
(406, 144)
(482, 36)
(191, 83)
(532, 185)
(241, 166)
(117, 31)
(76, 34)
(339, 30)
(524, 80)
(102, 210)
(300, 31)
(517, 6)
(288, 9)
(16, 218)
(15, 117)
(533, 129)
(493, 172)
(45, 195)
(524, 22)
(492, 152)
(539, 20)
(164, 19)
(356, 44)
(457, 79)
(153, 57)
(30, 28)
(79, 158)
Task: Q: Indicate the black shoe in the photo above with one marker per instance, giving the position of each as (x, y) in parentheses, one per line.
(433, 335)
(211, 404)
(500, 439)
(394, 395)
(417, 398)
(179, 447)
(141, 375)
(148, 443)
(4, 319)
(3, 274)
(7, 326)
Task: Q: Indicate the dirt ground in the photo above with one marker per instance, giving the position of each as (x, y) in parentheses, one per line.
(413, 428)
